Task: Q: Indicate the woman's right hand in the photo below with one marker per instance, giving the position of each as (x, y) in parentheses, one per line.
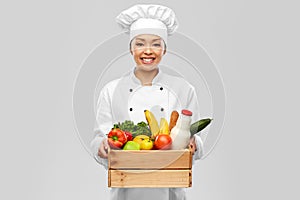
(103, 149)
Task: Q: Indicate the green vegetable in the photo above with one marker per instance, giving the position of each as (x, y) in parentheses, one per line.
(199, 125)
(140, 129)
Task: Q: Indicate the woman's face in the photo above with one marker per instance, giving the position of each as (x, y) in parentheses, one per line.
(147, 51)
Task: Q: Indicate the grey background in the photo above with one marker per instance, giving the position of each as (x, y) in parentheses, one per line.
(254, 44)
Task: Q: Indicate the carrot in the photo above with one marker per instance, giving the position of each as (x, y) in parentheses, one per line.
(173, 119)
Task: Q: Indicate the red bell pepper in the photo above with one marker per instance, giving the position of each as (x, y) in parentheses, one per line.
(116, 138)
(129, 136)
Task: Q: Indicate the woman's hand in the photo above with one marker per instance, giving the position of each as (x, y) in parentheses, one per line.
(103, 149)
(192, 145)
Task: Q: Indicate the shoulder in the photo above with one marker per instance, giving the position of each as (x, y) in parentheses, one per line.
(104, 94)
(108, 89)
(111, 84)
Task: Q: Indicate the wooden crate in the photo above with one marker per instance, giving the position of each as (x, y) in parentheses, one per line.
(150, 168)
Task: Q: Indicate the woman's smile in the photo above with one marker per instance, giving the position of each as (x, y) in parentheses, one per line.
(147, 60)
(147, 51)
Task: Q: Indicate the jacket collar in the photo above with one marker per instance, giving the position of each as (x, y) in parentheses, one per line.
(156, 79)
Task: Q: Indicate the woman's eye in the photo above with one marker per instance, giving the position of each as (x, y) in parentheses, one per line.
(156, 45)
(139, 44)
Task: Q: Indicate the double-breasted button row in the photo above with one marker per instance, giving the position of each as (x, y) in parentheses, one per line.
(162, 109)
(131, 90)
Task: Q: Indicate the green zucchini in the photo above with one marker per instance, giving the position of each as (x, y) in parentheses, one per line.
(199, 125)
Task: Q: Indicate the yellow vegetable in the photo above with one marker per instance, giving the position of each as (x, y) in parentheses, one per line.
(164, 127)
(152, 123)
(140, 138)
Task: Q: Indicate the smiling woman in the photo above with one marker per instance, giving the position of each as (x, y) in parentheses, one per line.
(146, 87)
(147, 51)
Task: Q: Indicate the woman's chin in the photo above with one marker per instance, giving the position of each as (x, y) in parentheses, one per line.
(147, 67)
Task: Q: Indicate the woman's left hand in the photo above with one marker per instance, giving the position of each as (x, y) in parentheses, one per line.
(192, 145)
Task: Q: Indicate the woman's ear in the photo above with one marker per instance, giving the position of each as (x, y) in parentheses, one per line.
(165, 48)
(165, 51)
(130, 49)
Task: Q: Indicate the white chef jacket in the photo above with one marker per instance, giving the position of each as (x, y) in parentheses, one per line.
(126, 99)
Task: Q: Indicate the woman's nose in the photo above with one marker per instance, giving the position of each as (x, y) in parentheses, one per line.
(147, 50)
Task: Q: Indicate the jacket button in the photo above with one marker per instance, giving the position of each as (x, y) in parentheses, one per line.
(130, 109)
(162, 109)
(161, 88)
(130, 90)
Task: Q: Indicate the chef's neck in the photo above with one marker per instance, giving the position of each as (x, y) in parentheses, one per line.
(146, 77)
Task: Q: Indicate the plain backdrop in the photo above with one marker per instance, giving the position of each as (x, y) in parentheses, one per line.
(255, 45)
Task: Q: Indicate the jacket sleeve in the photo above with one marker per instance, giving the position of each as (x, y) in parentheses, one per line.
(199, 144)
(103, 124)
(194, 107)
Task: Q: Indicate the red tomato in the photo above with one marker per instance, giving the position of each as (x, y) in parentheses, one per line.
(163, 142)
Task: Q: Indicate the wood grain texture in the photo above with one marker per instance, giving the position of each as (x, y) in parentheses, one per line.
(149, 178)
(150, 159)
(150, 168)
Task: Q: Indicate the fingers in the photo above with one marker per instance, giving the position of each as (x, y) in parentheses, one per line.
(103, 149)
(192, 145)
(102, 153)
(105, 144)
(192, 139)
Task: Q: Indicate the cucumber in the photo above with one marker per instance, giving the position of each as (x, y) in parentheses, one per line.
(199, 125)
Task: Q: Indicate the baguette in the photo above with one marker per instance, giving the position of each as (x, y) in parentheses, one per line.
(173, 119)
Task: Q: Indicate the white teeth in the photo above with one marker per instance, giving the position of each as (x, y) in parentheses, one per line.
(148, 60)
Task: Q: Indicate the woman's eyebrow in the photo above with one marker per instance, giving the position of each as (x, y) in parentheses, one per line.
(140, 39)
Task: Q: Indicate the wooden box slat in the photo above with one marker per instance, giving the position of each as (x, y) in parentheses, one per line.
(150, 159)
(149, 168)
(150, 178)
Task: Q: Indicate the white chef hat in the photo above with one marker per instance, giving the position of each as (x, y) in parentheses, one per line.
(148, 19)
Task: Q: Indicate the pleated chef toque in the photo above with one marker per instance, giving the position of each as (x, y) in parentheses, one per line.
(148, 19)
